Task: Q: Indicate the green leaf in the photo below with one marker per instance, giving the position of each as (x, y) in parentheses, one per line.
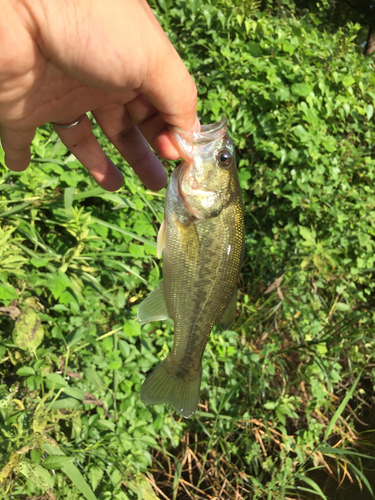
(341, 408)
(142, 488)
(151, 243)
(254, 49)
(132, 328)
(115, 365)
(281, 414)
(15, 209)
(315, 20)
(124, 348)
(68, 201)
(177, 477)
(72, 178)
(72, 473)
(96, 191)
(288, 47)
(270, 405)
(35, 455)
(370, 111)
(312, 484)
(39, 262)
(301, 89)
(25, 371)
(58, 283)
(7, 292)
(93, 377)
(57, 461)
(364, 239)
(105, 424)
(95, 474)
(348, 80)
(309, 235)
(362, 477)
(65, 403)
(39, 476)
(74, 392)
(330, 450)
(341, 306)
(56, 380)
(28, 332)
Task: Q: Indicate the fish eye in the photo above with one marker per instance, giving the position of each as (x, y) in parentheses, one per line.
(225, 157)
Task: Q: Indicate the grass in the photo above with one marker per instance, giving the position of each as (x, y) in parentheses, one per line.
(276, 404)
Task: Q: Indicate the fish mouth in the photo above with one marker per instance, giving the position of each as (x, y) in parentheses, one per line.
(185, 141)
(210, 133)
(194, 185)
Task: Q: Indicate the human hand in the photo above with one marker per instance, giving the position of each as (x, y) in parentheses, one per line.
(61, 59)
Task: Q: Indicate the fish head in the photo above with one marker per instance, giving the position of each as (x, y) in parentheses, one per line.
(207, 178)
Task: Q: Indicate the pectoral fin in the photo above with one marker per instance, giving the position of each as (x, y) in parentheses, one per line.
(227, 318)
(161, 239)
(154, 307)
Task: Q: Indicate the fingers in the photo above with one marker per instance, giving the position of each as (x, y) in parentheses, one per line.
(118, 126)
(177, 101)
(83, 144)
(16, 145)
(170, 88)
(129, 52)
(153, 127)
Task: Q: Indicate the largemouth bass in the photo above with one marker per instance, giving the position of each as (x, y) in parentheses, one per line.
(202, 237)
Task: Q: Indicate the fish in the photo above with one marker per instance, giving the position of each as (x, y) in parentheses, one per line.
(202, 241)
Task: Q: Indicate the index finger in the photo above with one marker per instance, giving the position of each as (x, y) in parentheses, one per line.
(169, 86)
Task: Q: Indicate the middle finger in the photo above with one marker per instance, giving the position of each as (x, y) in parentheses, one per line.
(118, 126)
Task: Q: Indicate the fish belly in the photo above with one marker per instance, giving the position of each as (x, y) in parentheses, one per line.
(201, 264)
(200, 269)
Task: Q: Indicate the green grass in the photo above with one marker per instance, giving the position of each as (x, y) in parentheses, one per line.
(275, 390)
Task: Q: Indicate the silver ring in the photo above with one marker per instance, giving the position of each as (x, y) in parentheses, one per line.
(69, 125)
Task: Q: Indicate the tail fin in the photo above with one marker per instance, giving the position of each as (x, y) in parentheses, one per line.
(165, 386)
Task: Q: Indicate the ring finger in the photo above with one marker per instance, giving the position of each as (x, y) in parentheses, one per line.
(83, 144)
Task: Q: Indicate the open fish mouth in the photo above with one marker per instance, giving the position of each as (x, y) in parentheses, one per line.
(210, 133)
(195, 189)
(194, 185)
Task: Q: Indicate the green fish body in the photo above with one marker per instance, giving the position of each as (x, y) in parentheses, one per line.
(202, 237)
